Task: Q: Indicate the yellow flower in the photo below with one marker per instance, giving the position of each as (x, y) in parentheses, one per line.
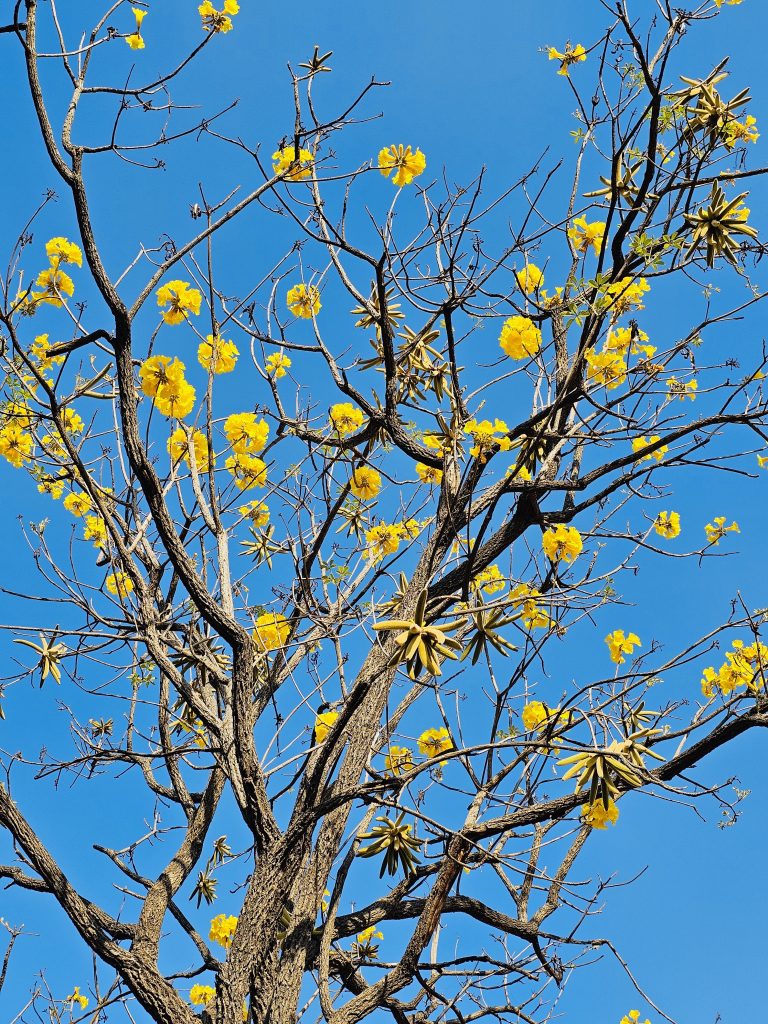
(176, 400)
(523, 598)
(61, 250)
(180, 298)
(158, 371)
(297, 167)
(38, 351)
(582, 235)
(369, 933)
(119, 583)
(304, 302)
(345, 418)
(248, 470)
(430, 474)
(607, 368)
(409, 529)
(54, 283)
(324, 722)
(201, 995)
(529, 278)
(365, 483)
(271, 632)
(73, 423)
(16, 443)
(255, 511)
(718, 3)
(640, 443)
(79, 504)
(178, 448)
(717, 530)
(406, 164)
(382, 540)
(76, 997)
(598, 816)
(762, 461)
(246, 433)
(398, 760)
(217, 354)
(483, 434)
(633, 1017)
(520, 338)
(620, 644)
(50, 485)
(135, 40)
(222, 930)
(571, 55)
(534, 714)
(218, 21)
(677, 389)
(96, 530)
(741, 131)
(277, 364)
(491, 580)
(626, 294)
(562, 543)
(667, 524)
(434, 741)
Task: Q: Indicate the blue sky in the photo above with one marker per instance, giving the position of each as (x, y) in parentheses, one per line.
(471, 87)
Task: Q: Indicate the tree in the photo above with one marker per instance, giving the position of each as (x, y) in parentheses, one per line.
(316, 609)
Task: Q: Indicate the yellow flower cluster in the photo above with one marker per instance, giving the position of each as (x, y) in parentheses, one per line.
(294, 166)
(716, 530)
(135, 39)
(491, 580)
(667, 525)
(406, 164)
(523, 599)
(17, 444)
(608, 367)
(529, 278)
(520, 338)
(55, 284)
(247, 436)
(76, 997)
(256, 512)
(399, 760)
(483, 433)
(303, 301)
(324, 722)
(201, 995)
(745, 665)
(179, 298)
(429, 474)
(345, 418)
(582, 235)
(119, 583)
(365, 483)
(639, 444)
(217, 355)
(162, 379)
(277, 364)
(597, 815)
(218, 21)
(626, 294)
(222, 930)
(434, 741)
(384, 539)
(620, 644)
(570, 55)
(682, 390)
(271, 632)
(562, 543)
(178, 448)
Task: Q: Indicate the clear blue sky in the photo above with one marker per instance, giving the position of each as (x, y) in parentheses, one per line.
(470, 87)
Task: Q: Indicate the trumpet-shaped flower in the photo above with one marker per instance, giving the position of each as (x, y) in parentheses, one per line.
(667, 525)
(345, 418)
(406, 164)
(180, 298)
(217, 355)
(271, 631)
(529, 278)
(303, 301)
(294, 165)
(717, 530)
(365, 483)
(570, 55)
(620, 644)
(583, 234)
